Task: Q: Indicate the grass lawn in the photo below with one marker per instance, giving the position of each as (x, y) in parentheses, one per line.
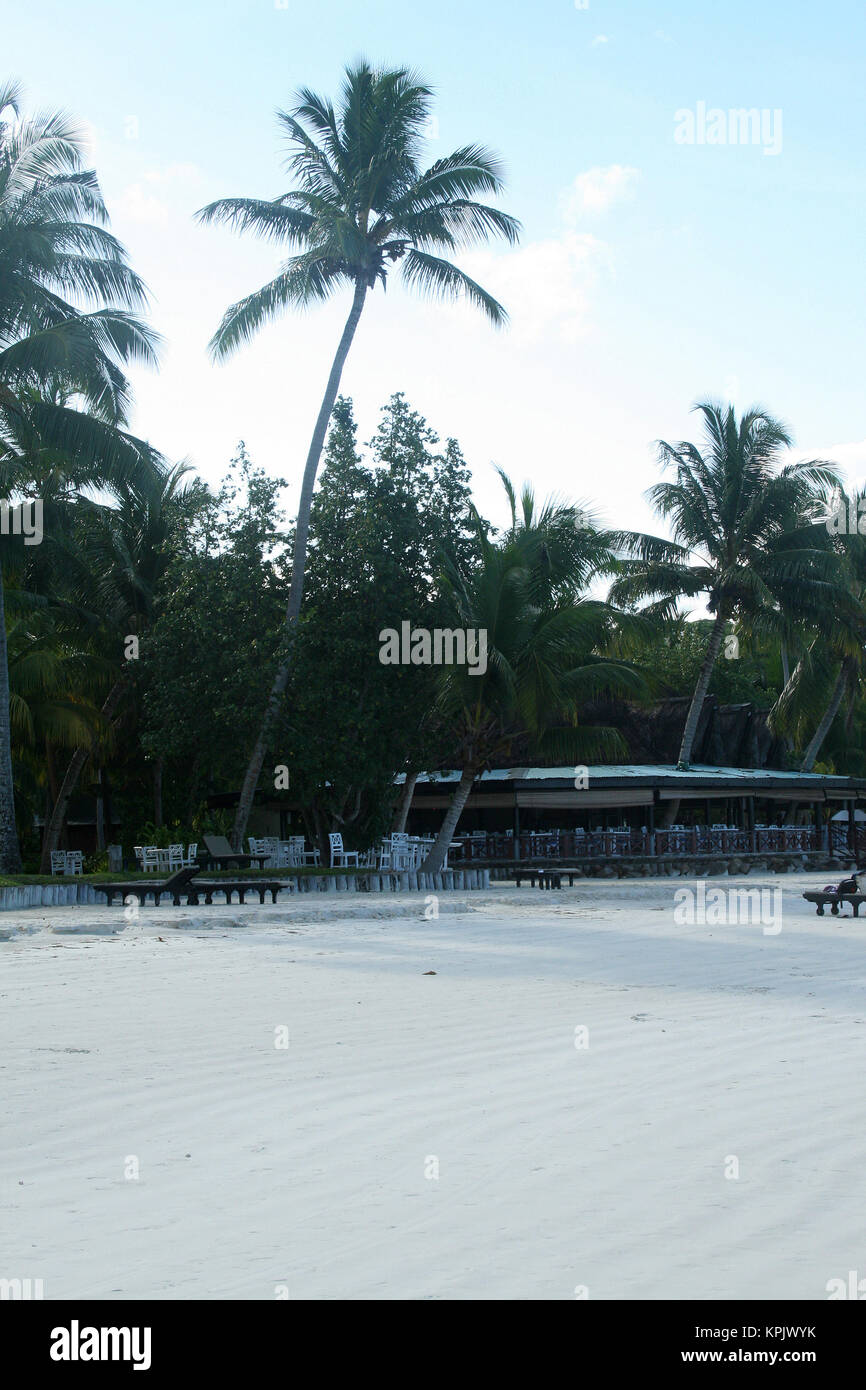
(129, 875)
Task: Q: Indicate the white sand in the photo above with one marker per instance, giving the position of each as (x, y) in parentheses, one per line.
(261, 1167)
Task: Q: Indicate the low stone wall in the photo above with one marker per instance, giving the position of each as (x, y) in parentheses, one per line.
(448, 881)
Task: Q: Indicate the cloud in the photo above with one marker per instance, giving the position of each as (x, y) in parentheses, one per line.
(149, 199)
(850, 457)
(595, 190)
(599, 39)
(544, 285)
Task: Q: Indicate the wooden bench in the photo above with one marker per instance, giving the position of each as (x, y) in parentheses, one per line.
(834, 901)
(545, 878)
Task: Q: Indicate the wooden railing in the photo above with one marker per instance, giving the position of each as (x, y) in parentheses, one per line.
(673, 840)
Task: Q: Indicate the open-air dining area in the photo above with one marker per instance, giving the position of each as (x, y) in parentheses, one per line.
(623, 841)
(399, 851)
(647, 812)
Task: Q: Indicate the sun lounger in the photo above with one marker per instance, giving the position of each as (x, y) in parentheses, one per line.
(184, 884)
(220, 853)
(833, 900)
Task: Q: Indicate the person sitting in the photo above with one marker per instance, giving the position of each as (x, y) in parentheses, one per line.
(849, 885)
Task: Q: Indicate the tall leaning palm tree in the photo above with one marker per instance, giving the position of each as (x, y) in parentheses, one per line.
(362, 205)
(67, 330)
(732, 509)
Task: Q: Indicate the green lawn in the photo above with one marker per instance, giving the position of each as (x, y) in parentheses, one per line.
(128, 875)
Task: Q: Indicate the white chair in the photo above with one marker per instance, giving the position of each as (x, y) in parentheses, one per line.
(191, 856)
(58, 861)
(401, 857)
(341, 858)
(267, 845)
(150, 859)
(75, 861)
(299, 855)
(175, 858)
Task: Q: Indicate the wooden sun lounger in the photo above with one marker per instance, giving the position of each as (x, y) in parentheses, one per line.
(835, 900)
(546, 878)
(184, 884)
(144, 888)
(219, 852)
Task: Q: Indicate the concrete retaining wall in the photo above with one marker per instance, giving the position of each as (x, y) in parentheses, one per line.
(450, 880)
(48, 895)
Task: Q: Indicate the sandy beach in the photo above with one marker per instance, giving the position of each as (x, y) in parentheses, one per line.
(587, 1098)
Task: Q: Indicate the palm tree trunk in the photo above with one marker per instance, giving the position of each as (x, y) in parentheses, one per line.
(100, 812)
(700, 694)
(786, 665)
(10, 850)
(695, 708)
(299, 563)
(436, 858)
(830, 713)
(405, 802)
(53, 829)
(157, 792)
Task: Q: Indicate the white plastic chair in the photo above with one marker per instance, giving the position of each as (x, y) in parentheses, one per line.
(150, 859)
(58, 861)
(299, 855)
(401, 857)
(191, 856)
(341, 858)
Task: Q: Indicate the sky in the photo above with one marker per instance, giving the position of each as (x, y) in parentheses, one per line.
(667, 255)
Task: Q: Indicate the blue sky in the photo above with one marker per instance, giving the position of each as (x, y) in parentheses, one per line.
(650, 272)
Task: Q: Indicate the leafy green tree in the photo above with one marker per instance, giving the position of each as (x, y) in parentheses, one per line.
(380, 527)
(361, 206)
(199, 690)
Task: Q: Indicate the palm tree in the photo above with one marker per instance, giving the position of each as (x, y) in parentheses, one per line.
(832, 664)
(546, 645)
(733, 511)
(115, 562)
(57, 260)
(361, 206)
